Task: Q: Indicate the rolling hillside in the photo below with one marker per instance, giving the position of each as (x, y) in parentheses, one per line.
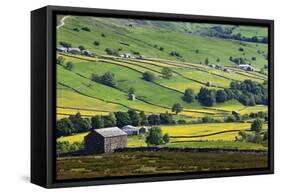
(78, 93)
(145, 37)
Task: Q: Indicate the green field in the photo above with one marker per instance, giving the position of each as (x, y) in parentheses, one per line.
(194, 135)
(198, 56)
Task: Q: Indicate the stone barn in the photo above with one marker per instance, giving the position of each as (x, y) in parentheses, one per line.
(105, 140)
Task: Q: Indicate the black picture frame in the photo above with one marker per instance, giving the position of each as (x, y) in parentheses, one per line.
(43, 94)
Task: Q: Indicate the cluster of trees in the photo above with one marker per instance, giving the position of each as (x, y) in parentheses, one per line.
(238, 60)
(156, 137)
(72, 124)
(167, 73)
(87, 29)
(175, 53)
(159, 47)
(256, 135)
(66, 146)
(111, 52)
(76, 124)
(132, 117)
(67, 65)
(65, 44)
(107, 78)
(227, 33)
(250, 93)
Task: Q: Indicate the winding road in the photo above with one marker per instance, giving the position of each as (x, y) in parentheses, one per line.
(62, 22)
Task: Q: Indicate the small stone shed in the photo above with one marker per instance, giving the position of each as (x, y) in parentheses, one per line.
(105, 140)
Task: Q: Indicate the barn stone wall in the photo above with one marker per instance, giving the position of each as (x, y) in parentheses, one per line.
(112, 143)
(94, 143)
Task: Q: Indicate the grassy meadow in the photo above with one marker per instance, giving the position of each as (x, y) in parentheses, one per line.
(197, 46)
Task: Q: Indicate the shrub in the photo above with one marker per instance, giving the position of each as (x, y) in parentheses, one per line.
(257, 125)
(87, 29)
(69, 66)
(60, 60)
(76, 29)
(177, 108)
(96, 43)
(189, 95)
(82, 48)
(175, 53)
(167, 72)
(65, 44)
(148, 76)
(155, 137)
(181, 121)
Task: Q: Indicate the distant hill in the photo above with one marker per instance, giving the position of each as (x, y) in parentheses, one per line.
(158, 39)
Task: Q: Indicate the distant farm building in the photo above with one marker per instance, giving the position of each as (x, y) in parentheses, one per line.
(246, 67)
(226, 70)
(132, 97)
(143, 130)
(127, 55)
(130, 130)
(141, 57)
(209, 84)
(62, 49)
(105, 140)
(212, 65)
(74, 50)
(87, 53)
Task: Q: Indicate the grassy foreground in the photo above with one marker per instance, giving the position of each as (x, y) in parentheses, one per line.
(144, 163)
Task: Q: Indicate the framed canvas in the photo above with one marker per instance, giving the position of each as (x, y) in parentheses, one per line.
(126, 96)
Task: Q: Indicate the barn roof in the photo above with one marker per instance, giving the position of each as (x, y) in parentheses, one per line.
(110, 132)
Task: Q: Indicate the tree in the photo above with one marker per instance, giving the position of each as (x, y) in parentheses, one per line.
(221, 96)
(206, 97)
(177, 108)
(161, 48)
(96, 43)
(166, 118)
(69, 65)
(257, 125)
(87, 29)
(80, 124)
(97, 122)
(153, 119)
(218, 60)
(135, 118)
(109, 120)
(76, 29)
(82, 48)
(64, 127)
(207, 119)
(167, 72)
(122, 119)
(131, 91)
(189, 95)
(166, 138)
(143, 118)
(148, 76)
(206, 61)
(60, 60)
(154, 136)
(108, 79)
(196, 51)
